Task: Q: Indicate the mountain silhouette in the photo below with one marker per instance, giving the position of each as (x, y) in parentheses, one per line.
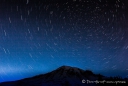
(67, 76)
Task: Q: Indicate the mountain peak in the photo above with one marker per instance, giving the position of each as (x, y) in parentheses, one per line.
(63, 76)
(69, 68)
(66, 67)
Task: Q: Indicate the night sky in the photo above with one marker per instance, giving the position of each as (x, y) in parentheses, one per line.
(38, 36)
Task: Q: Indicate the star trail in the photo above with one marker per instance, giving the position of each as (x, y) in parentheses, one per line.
(37, 37)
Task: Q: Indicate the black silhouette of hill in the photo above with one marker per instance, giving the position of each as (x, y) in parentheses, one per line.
(68, 76)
